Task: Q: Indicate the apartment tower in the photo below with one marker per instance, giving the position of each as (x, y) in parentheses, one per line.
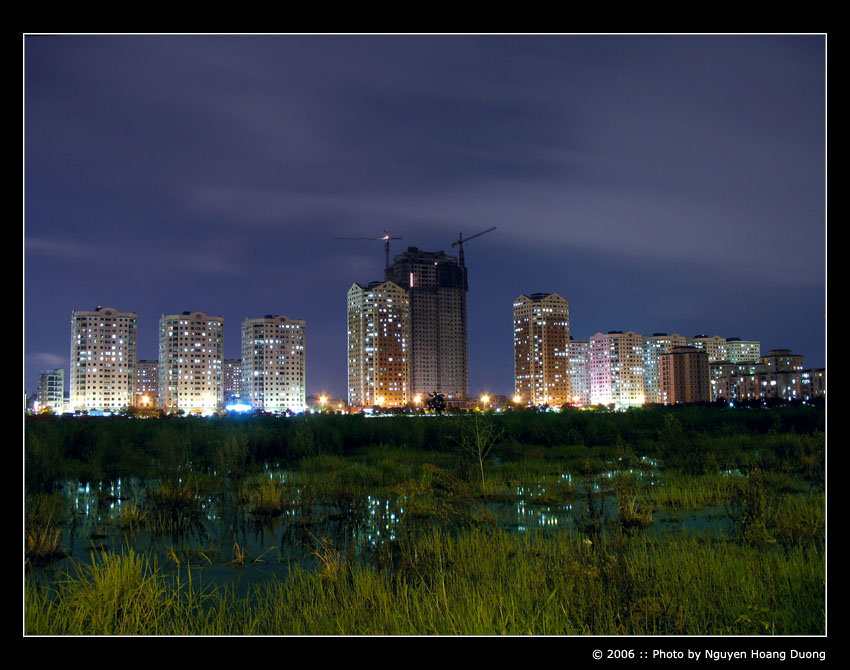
(190, 359)
(714, 346)
(378, 345)
(103, 359)
(51, 389)
(542, 349)
(653, 347)
(580, 371)
(147, 383)
(685, 376)
(231, 378)
(742, 351)
(273, 362)
(616, 369)
(436, 288)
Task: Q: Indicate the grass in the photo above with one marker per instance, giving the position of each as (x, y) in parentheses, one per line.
(448, 570)
(473, 582)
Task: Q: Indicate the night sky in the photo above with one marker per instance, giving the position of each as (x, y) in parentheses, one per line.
(658, 183)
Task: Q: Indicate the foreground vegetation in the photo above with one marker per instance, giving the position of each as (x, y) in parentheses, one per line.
(475, 582)
(449, 568)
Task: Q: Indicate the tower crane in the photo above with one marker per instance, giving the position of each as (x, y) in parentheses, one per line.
(461, 239)
(386, 239)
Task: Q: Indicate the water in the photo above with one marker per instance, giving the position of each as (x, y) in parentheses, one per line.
(221, 542)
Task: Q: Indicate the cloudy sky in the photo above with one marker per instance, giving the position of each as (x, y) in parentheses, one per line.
(659, 183)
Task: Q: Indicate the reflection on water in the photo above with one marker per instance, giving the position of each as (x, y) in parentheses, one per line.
(215, 532)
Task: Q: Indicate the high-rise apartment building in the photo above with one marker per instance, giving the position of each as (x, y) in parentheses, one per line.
(714, 346)
(147, 383)
(378, 345)
(51, 390)
(742, 351)
(541, 349)
(616, 369)
(685, 376)
(231, 378)
(436, 287)
(273, 361)
(103, 359)
(580, 371)
(653, 346)
(190, 360)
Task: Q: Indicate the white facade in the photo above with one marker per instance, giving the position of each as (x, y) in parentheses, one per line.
(103, 360)
(190, 360)
(378, 345)
(51, 390)
(273, 363)
(743, 351)
(714, 346)
(580, 371)
(616, 369)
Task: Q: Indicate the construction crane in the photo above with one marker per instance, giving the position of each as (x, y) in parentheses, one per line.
(386, 238)
(461, 239)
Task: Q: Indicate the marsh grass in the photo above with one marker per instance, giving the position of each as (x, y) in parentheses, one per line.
(116, 594)
(473, 582)
(268, 497)
(45, 516)
(752, 508)
(43, 545)
(679, 492)
(134, 517)
(634, 511)
(442, 567)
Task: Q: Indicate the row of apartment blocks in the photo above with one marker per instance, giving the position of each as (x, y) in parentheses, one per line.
(190, 374)
(407, 338)
(628, 369)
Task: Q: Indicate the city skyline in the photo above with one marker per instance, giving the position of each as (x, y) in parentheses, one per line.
(658, 183)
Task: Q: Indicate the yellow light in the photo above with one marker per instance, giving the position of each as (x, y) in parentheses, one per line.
(323, 399)
(517, 398)
(417, 398)
(485, 398)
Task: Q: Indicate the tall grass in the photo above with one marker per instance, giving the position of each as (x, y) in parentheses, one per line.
(448, 570)
(474, 582)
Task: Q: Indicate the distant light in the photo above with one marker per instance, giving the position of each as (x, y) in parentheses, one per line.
(238, 406)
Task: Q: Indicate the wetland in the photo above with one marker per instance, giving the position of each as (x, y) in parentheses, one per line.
(658, 521)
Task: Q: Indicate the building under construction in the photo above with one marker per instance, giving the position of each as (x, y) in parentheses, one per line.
(436, 286)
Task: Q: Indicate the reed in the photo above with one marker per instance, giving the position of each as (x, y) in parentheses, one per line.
(479, 581)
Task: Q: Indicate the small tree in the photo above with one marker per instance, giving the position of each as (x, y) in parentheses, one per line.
(436, 402)
(477, 437)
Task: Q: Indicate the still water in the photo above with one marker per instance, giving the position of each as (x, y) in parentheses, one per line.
(221, 541)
